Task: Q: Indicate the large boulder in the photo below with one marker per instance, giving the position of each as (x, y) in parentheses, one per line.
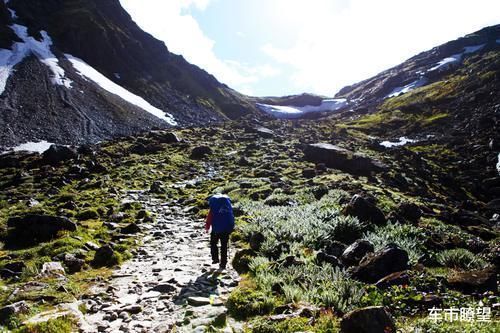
(365, 210)
(393, 279)
(409, 212)
(130, 229)
(375, 266)
(242, 259)
(105, 256)
(356, 251)
(466, 218)
(73, 263)
(264, 132)
(339, 158)
(58, 153)
(164, 137)
(157, 187)
(256, 240)
(52, 269)
(143, 149)
(14, 309)
(473, 281)
(322, 257)
(373, 319)
(200, 152)
(11, 160)
(33, 229)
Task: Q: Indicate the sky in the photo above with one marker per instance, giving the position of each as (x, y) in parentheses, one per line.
(284, 47)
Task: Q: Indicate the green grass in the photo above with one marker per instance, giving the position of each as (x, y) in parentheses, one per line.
(408, 237)
(460, 259)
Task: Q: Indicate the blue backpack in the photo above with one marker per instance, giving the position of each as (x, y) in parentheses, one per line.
(222, 213)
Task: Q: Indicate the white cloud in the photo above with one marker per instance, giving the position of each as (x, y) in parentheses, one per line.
(171, 22)
(342, 42)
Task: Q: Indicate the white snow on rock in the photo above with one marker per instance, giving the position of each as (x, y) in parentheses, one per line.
(447, 62)
(289, 112)
(401, 90)
(472, 49)
(12, 13)
(32, 147)
(442, 65)
(455, 58)
(42, 51)
(402, 141)
(10, 58)
(498, 164)
(88, 72)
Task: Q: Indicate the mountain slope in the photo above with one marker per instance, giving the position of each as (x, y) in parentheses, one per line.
(424, 68)
(101, 34)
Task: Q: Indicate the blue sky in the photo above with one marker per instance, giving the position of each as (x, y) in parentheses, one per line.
(281, 47)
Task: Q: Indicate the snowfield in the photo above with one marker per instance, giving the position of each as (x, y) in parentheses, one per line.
(89, 73)
(402, 141)
(401, 90)
(32, 147)
(290, 112)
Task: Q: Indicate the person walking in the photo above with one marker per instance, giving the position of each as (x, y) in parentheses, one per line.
(221, 218)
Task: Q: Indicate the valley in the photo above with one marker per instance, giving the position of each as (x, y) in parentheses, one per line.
(373, 210)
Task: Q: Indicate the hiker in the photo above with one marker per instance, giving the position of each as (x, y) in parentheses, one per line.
(220, 217)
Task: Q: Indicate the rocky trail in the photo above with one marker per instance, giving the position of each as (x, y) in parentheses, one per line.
(169, 285)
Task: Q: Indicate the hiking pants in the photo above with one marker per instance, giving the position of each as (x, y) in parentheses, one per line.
(214, 240)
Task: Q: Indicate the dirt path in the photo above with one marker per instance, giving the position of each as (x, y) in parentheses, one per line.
(169, 285)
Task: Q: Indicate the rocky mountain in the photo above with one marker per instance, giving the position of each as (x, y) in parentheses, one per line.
(369, 219)
(422, 70)
(83, 71)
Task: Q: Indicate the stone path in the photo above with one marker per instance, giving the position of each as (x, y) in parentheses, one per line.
(169, 285)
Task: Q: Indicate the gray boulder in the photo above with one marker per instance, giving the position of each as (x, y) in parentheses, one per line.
(375, 266)
(58, 153)
(339, 158)
(356, 251)
(373, 319)
(365, 210)
(12, 310)
(200, 152)
(33, 229)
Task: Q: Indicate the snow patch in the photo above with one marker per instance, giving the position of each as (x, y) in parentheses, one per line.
(12, 14)
(41, 49)
(43, 53)
(32, 147)
(498, 164)
(472, 49)
(455, 58)
(401, 90)
(289, 112)
(447, 62)
(10, 58)
(402, 141)
(88, 72)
